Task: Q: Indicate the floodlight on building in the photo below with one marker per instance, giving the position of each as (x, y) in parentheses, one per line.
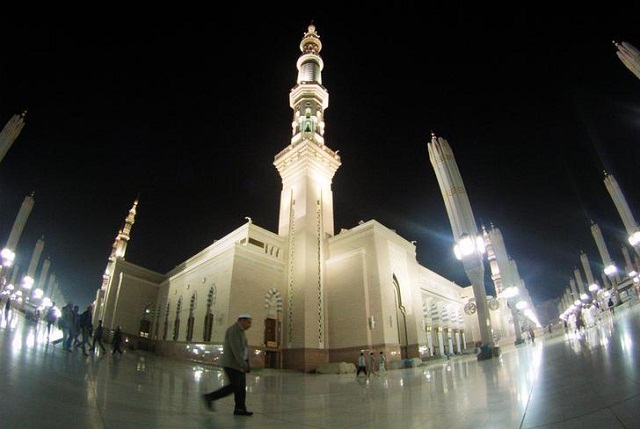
(634, 239)
(593, 287)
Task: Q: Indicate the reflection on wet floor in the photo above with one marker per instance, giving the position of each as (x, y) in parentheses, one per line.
(584, 379)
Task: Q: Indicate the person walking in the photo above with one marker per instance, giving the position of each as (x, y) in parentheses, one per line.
(7, 309)
(372, 364)
(235, 362)
(66, 323)
(75, 330)
(362, 365)
(86, 327)
(611, 305)
(97, 337)
(116, 341)
(381, 361)
(50, 317)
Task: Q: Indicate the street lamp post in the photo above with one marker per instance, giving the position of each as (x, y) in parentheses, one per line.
(469, 245)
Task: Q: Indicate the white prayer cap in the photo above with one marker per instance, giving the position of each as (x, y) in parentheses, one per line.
(244, 316)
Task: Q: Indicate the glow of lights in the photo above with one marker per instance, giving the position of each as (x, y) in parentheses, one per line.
(634, 238)
(197, 374)
(521, 305)
(510, 292)
(27, 282)
(610, 270)
(627, 343)
(7, 257)
(10, 287)
(593, 287)
(584, 297)
(632, 273)
(577, 302)
(46, 302)
(467, 246)
(38, 293)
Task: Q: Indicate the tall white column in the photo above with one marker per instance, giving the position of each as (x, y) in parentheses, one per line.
(624, 211)
(29, 278)
(8, 253)
(630, 57)
(44, 271)
(469, 245)
(579, 282)
(610, 270)
(10, 133)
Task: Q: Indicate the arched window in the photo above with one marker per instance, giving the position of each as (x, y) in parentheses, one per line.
(176, 324)
(190, 320)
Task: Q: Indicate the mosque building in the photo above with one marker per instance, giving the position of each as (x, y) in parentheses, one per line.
(316, 296)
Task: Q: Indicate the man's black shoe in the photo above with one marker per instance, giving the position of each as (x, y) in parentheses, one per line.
(242, 413)
(208, 403)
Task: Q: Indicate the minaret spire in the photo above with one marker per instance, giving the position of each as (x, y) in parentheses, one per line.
(309, 98)
(125, 233)
(118, 250)
(307, 167)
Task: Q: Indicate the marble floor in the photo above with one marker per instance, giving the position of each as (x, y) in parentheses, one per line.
(591, 380)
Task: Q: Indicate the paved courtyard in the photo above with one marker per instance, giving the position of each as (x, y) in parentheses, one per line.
(587, 380)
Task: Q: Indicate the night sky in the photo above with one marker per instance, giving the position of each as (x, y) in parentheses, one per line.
(187, 109)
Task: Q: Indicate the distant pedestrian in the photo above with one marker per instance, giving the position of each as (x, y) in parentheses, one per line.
(116, 341)
(86, 328)
(362, 365)
(372, 364)
(532, 335)
(97, 337)
(381, 361)
(51, 317)
(235, 362)
(7, 309)
(66, 323)
(77, 330)
(611, 306)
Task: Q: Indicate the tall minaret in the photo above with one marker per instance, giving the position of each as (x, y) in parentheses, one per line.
(118, 250)
(306, 167)
(10, 133)
(469, 245)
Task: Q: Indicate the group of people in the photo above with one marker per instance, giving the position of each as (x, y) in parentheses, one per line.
(78, 330)
(371, 367)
